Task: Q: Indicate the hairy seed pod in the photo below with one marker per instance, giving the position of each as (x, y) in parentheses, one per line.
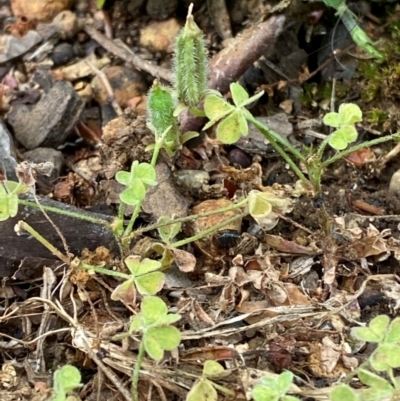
(190, 63)
(161, 108)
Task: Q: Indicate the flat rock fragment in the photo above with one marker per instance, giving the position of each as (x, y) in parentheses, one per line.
(79, 234)
(49, 122)
(12, 47)
(165, 199)
(8, 160)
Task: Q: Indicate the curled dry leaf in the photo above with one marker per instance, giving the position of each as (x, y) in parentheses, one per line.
(184, 260)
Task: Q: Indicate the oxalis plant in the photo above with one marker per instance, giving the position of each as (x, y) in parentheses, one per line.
(154, 326)
(233, 122)
(65, 379)
(270, 389)
(377, 374)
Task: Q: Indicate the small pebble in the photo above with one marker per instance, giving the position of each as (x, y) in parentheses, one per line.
(160, 36)
(192, 179)
(239, 157)
(63, 53)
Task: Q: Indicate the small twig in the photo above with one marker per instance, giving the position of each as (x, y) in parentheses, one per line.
(103, 77)
(127, 56)
(289, 220)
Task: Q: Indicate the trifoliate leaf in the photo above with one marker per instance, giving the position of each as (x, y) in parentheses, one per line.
(232, 128)
(152, 310)
(373, 380)
(264, 393)
(211, 368)
(285, 380)
(201, 391)
(140, 267)
(342, 137)
(216, 108)
(375, 332)
(151, 283)
(343, 392)
(67, 379)
(386, 356)
(393, 333)
(168, 337)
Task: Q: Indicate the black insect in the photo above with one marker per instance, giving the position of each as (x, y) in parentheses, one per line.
(227, 238)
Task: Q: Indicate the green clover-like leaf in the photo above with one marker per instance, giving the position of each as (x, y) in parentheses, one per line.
(241, 97)
(332, 119)
(393, 332)
(375, 332)
(386, 356)
(349, 113)
(211, 368)
(139, 267)
(151, 283)
(66, 379)
(232, 127)
(239, 94)
(146, 173)
(343, 392)
(152, 310)
(9, 191)
(285, 380)
(124, 178)
(203, 390)
(373, 380)
(342, 137)
(264, 393)
(140, 177)
(134, 194)
(159, 339)
(170, 231)
(216, 108)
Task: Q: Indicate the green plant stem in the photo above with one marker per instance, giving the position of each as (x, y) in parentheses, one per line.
(392, 378)
(121, 211)
(43, 241)
(269, 133)
(352, 149)
(154, 226)
(101, 270)
(322, 147)
(274, 138)
(74, 215)
(204, 233)
(132, 220)
(136, 372)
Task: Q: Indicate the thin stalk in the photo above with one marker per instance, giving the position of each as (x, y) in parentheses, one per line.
(274, 138)
(392, 378)
(322, 147)
(101, 270)
(136, 372)
(121, 211)
(44, 242)
(133, 218)
(277, 138)
(74, 215)
(352, 149)
(204, 233)
(154, 226)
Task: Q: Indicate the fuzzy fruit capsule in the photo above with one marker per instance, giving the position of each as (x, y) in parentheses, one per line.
(190, 63)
